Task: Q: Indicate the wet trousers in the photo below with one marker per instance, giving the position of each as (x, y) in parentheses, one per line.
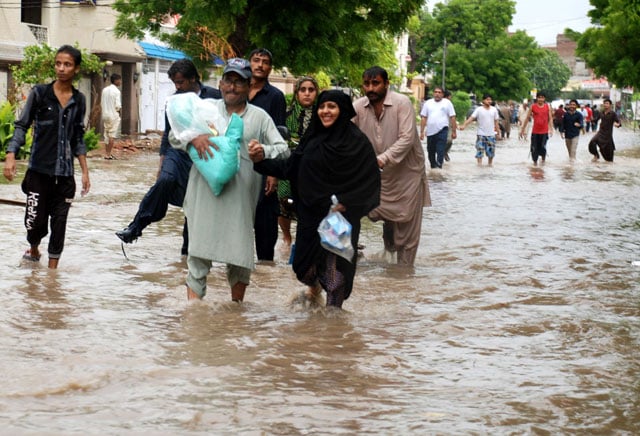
(539, 146)
(572, 146)
(402, 238)
(48, 200)
(606, 147)
(436, 145)
(169, 188)
(266, 223)
(199, 269)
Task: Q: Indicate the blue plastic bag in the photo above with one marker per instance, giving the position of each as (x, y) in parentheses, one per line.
(335, 233)
(190, 116)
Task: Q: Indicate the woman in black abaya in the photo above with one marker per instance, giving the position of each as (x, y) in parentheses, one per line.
(334, 157)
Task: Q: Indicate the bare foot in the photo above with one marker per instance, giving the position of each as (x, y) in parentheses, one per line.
(192, 295)
(32, 254)
(237, 292)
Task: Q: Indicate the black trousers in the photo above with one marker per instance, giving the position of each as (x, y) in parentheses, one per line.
(48, 202)
(265, 225)
(539, 146)
(169, 188)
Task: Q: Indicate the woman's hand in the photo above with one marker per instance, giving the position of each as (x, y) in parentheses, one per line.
(339, 208)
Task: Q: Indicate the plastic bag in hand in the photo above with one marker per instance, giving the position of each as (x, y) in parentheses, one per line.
(335, 233)
(190, 116)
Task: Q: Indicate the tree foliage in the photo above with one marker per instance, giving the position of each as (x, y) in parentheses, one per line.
(304, 36)
(480, 57)
(549, 73)
(612, 48)
(38, 65)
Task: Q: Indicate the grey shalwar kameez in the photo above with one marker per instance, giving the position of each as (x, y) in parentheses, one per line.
(221, 227)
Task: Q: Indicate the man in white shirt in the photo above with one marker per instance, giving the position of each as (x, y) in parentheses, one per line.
(111, 103)
(488, 128)
(436, 114)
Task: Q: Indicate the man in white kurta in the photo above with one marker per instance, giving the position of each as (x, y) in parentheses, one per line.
(111, 104)
(221, 227)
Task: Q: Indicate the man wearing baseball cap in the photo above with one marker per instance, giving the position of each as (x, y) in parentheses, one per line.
(221, 227)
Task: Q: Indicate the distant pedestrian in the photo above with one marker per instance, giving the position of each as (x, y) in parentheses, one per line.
(557, 117)
(603, 139)
(595, 118)
(542, 127)
(435, 118)
(447, 95)
(570, 127)
(589, 117)
(111, 105)
(488, 128)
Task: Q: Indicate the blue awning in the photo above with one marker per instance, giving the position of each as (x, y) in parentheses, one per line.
(171, 54)
(161, 52)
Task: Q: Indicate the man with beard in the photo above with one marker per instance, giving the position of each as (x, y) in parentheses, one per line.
(171, 183)
(389, 121)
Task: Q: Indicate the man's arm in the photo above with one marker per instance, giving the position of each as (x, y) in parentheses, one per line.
(423, 124)
(496, 127)
(396, 152)
(424, 115)
(454, 126)
(523, 129)
(279, 109)
(17, 140)
(467, 122)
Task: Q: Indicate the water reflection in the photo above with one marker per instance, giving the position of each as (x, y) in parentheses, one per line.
(45, 298)
(521, 316)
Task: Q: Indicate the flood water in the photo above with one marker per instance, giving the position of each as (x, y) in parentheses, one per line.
(522, 316)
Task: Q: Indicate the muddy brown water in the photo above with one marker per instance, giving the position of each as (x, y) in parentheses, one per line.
(522, 316)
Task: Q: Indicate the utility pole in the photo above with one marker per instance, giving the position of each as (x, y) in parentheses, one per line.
(444, 61)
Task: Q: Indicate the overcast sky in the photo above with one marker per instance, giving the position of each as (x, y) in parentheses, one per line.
(557, 15)
(544, 19)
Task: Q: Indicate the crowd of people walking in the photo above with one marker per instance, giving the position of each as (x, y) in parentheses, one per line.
(368, 153)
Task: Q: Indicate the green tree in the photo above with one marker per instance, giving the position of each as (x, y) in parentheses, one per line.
(612, 49)
(548, 73)
(38, 65)
(480, 56)
(304, 36)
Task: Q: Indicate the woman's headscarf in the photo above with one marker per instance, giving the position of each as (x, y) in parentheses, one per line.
(298, 117)
(338, 160)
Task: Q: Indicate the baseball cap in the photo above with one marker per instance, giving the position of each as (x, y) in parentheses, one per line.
(239, 66)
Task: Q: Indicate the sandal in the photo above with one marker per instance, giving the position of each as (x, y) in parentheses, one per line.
(27, 256)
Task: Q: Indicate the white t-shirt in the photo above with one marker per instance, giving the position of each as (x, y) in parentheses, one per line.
(438, 114)
(111, 102)
(486, 118)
